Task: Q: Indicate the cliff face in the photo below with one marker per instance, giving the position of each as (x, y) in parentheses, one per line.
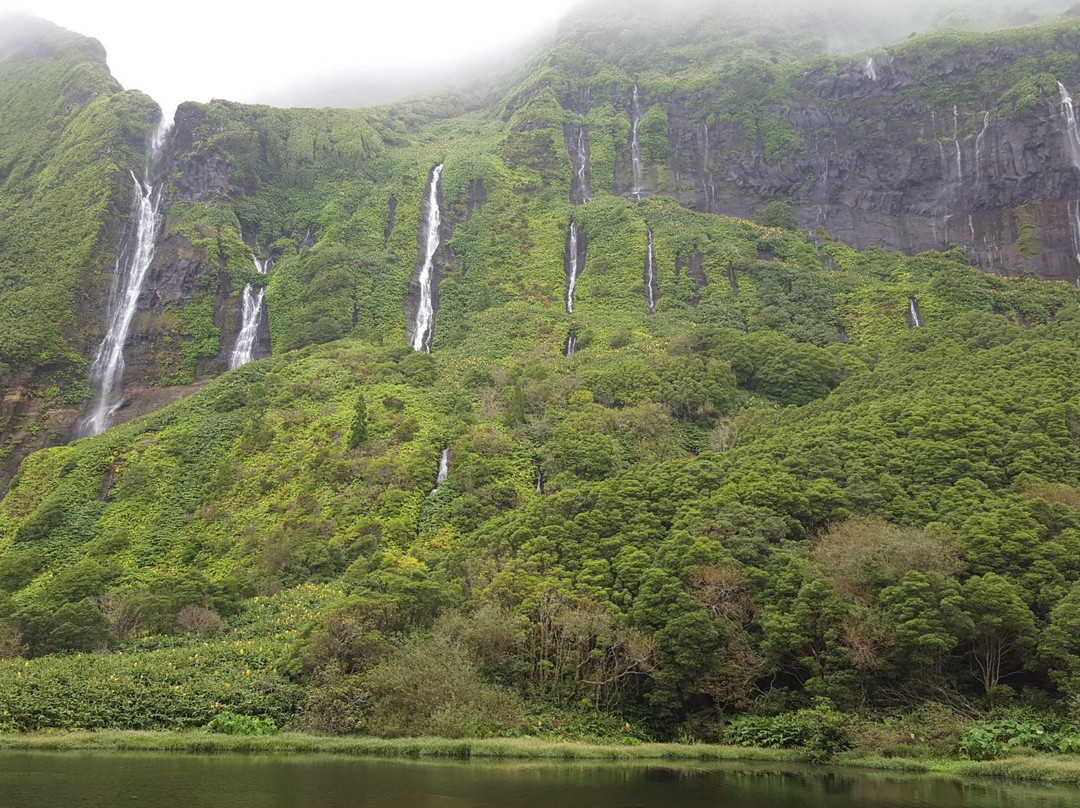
(911, 153)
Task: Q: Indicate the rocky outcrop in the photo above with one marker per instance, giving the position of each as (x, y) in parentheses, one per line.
(892, 160)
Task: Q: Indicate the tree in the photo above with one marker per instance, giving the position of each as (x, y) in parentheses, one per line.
(927, 614)
(1002, 626)
(358, 431)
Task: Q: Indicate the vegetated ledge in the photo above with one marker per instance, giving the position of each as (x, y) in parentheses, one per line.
(1029, 768)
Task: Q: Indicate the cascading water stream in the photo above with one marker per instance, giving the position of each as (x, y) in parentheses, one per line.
(251, 318)
(870, 71)
(650, 277)
(635, 148)
(572, 267)
(581, 145)
(915, 320)
(979, 143)
(956, 140)
(1069, 112)
(444, 468)
(539, 481)
(424, 327)
(107, 369)
(571, 344)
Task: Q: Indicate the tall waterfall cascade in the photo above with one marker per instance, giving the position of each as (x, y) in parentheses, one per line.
(635, 147)
(870, 71)
(424, 326)
(251, 317)
(573, 268)
(132, 263)
(1068, 111)
(650, 276)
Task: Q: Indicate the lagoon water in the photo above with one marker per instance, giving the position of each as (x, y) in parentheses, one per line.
(93, 780)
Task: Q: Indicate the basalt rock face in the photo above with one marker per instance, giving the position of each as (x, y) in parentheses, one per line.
(891, 160)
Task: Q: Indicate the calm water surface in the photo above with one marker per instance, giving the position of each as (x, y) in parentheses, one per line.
(70, 780)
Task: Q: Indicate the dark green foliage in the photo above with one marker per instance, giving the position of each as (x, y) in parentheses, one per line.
(358, 431)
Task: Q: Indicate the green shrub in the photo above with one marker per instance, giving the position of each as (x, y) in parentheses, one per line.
(234, 724)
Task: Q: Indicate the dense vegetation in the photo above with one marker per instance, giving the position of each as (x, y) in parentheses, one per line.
(767, 512)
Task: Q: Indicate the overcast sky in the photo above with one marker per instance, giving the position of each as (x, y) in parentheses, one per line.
(202, 49)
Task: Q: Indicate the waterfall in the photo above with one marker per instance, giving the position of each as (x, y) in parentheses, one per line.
(107, 369)
(956, 140)
(572, 270)
(424, 327)
(251, 318)
(915, 320)
(870, 71)
(1074, 224)
(577, 145)
(571, 344)
(635, 148)
(444, 468)
(979, 143)
(651, 291)
(1069, 112)
(539, 481)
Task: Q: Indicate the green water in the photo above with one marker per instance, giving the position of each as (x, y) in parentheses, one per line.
(67, 780)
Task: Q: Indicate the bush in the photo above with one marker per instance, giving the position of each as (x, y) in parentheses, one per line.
(994, 739)
(432, 687)
(235, 724)
(199, 620)
(820, 731)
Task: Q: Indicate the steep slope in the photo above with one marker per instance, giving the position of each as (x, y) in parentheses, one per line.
(660, 464)
(69, 138)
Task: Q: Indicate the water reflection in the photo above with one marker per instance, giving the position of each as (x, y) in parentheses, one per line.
(37, 780)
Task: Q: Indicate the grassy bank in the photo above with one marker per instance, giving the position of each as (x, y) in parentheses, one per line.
(1029, 768)
(286, 743)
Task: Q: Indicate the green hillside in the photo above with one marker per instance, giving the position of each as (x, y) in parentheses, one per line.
(821, 497)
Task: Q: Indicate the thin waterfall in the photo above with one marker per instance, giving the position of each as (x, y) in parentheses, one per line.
(251, 319)
(444, 468)
(539, 481)
(107, 369)
(635, 148)
(651, 291)
(424, 327)
(979, 143)
(956, 140)
(572, 268)
(1073, 210)
(1069, 112)
(577, 146)
(915, 320)
(571, 344)
(870, 71)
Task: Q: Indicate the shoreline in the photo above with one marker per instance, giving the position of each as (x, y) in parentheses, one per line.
(1054, 770)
